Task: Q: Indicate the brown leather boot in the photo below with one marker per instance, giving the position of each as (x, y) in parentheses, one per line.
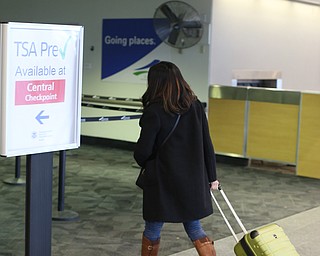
(149, 248)
(205, 247)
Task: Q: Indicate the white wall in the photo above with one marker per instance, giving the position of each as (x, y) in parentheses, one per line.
(193, 61)
(272, 35)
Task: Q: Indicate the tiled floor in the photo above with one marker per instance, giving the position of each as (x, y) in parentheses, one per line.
(100, 188)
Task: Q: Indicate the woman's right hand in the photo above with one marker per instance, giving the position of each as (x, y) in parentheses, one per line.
(214, 185)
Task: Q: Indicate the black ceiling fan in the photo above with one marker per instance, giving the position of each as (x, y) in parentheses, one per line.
(178, 24)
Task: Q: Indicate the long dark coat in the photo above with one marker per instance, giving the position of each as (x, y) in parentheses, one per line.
(178, 176)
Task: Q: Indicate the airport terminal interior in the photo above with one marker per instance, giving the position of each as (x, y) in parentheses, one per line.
(246, 61)
(103, 205)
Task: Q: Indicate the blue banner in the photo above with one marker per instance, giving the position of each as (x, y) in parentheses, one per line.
(124, 42)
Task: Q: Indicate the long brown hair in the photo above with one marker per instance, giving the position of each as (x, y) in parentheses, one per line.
(167, 86)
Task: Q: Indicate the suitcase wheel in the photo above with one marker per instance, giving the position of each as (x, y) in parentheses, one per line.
(254, 234)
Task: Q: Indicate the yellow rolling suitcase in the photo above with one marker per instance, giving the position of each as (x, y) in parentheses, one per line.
(269, 240)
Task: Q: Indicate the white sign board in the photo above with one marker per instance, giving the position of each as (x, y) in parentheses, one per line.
(40, 94)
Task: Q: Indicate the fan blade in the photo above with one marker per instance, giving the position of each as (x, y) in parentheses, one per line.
(168, 13)
(173, 37)
(162, 27)
(191, 24)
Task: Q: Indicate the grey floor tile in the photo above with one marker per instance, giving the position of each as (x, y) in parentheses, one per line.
(100, 187)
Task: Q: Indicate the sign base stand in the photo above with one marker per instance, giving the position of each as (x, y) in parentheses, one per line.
(65, 215)
(15, 181)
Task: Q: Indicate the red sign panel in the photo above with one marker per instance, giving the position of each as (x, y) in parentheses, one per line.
(39, 92)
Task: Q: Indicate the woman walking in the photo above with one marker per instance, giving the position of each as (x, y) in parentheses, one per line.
(179, 169)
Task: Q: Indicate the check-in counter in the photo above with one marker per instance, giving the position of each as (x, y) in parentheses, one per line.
(267, 124)
(228, 105)
(273, 118)
(308, 163)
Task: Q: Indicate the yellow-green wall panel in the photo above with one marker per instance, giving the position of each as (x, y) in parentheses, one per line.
(309, 145)
(272, 131)
(226, 123)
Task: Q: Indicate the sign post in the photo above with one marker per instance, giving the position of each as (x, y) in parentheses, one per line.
(38, 204)
(40, 99)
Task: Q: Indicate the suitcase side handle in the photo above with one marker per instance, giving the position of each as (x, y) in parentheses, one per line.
(232, 210)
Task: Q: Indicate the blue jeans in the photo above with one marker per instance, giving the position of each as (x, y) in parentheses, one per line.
(193, 229)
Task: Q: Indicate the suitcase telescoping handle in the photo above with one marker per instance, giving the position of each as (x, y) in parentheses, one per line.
(232, 210)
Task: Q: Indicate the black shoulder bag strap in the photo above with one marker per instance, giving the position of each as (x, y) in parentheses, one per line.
(140, 182)
(173, 128)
